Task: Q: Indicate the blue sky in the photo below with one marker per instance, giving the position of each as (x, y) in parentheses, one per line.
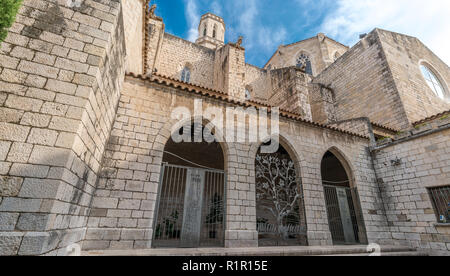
(267, 24)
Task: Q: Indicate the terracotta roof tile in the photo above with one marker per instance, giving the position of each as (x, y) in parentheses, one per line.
(192, 88)
(431, 118)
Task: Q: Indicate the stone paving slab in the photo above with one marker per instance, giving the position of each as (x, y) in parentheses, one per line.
(259, 251)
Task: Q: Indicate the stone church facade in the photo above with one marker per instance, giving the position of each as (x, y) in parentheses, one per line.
(87, 97)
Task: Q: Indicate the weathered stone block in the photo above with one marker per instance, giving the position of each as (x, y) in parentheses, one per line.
(37, 243)
(11, 204)
(10, 243)
(12, 132)
(32, 222)
(42, 137)
(26, 170)
(39, 188)
(10, 186)
(49, 156)
(8, 221)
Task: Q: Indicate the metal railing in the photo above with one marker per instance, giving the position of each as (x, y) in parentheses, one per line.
(170, 212)
(440, 196)
(334, 215)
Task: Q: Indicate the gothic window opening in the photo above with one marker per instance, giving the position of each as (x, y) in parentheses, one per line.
(304, 62)
(191, 197)
(433, 81)
(281, 219)
(336, 56)
(186, 75)
(204, 30)
(214, 31)
(342, 202)
(248, 95)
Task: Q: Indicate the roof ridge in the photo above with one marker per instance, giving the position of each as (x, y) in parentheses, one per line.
(204, 91)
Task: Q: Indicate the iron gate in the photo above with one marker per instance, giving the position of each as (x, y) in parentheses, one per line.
(344, 215)
(191, 208)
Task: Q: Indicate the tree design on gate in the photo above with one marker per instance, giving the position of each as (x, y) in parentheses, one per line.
(279, 197)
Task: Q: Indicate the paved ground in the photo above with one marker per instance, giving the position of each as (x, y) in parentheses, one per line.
(359, 250)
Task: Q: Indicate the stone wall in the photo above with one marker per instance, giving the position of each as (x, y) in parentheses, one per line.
(364, 86)
(124, 205)
(177, 53)
(357, 125)
(61, 71)
(423, 162)
(322, 102)
(134, 24)
(404, 55)
(290, 91)
(318, 48)
(257, 81)
(332, 50)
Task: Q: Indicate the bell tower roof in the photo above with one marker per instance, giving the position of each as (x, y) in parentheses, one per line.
(211, 31)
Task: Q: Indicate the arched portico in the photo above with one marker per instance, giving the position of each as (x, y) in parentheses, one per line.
(345, 218)
(191, 202)
(280, 208)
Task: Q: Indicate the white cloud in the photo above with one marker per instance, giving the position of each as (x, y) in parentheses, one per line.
(428, 20)
(250, 23)
(192, 18)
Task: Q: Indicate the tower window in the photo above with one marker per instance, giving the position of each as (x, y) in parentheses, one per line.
(433, 81)
(186, 75)
(214, 31)
(204, 31)
(304, 62)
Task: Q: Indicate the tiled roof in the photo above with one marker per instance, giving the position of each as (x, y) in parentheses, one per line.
(384, 127)
(434, 117)
(219, 95)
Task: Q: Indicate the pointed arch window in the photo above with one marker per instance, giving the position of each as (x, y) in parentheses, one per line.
(303, 61)
(186, 75)
(204, 30)
(248, 95)
(336, 56)
(433, 81)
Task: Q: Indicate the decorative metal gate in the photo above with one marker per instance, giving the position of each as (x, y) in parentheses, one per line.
(191, 208)
(344, 215)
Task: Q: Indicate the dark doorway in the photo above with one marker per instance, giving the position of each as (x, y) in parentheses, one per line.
(191, 199)
(342, 202)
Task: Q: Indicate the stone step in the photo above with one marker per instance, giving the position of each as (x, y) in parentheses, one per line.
(384, 254)
(358, 250)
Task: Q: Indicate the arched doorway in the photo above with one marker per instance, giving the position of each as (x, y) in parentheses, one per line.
(191, 199)
(342, 201)
(280, 211)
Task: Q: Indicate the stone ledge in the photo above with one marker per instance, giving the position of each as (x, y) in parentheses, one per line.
(443, 228)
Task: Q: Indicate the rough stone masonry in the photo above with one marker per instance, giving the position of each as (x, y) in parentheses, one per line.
(86, 96)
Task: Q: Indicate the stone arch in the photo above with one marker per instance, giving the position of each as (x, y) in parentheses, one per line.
(345, 162)
(158, 153)
(284, 140)
(439, 77)
(336, 55)
(186, 72)
(299, 163)
(169, 127)
(343, 206)
(310, 57)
